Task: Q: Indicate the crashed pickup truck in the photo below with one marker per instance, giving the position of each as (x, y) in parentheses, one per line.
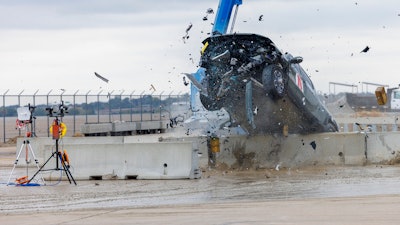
(262, 89)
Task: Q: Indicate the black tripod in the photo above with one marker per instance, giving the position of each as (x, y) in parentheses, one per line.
(60, 158)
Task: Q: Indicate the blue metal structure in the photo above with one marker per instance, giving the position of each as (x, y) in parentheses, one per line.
(223, 15)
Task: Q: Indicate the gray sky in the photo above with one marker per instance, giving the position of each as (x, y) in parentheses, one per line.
(49, 44)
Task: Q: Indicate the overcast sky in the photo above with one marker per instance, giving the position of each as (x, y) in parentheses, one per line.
(50, 44)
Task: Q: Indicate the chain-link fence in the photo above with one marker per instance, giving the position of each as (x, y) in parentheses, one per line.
(86, 107)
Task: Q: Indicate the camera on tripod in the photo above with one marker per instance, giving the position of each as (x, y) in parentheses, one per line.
(57, 110)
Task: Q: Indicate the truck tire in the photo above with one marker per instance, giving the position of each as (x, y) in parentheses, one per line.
(274, 81)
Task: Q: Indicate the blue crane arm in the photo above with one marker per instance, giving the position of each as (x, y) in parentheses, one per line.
(223, 16)
(221, 24)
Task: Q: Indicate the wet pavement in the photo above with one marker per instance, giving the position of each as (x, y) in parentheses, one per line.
(216, 186)
(314, 195)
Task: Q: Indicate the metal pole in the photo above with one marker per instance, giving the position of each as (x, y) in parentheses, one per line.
(160, 105)
(74, 105)
(120, 102)
(61, 95)
(141, 107)
(151, 107)
(109, 106)
(33, 121)
(131, 103)
(19, 105)
(48, 121)
(98, 106)
(34, 97)
(86, 111)
(4, 116)
(170, 103)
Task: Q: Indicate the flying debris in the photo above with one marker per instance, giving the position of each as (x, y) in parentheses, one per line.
(255, 110)
(209, 11)
(260, 18)
(185, 82)
(189, 27)
(187, 32)
(313, 145)
(277, 167)
(366, 49)
(359, 126)
(152, 87)
(101, 77)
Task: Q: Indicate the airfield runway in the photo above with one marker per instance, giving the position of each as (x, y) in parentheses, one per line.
(314, 195)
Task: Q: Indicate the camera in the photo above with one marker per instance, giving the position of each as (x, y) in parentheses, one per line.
(57, 110)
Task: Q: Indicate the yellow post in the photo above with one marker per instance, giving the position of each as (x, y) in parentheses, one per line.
(214, 144)
(285, 130)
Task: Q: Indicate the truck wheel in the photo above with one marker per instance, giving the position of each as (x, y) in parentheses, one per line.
(274, 81)
(332, 126)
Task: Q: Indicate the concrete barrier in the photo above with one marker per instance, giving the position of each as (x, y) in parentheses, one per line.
(113, 158)
(172, 157)
(268, 151)
(383, 147)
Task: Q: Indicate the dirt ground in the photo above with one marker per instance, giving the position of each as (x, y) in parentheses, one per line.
(315, 195)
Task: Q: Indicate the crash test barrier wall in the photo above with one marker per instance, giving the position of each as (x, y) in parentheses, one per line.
(129, 157)
(155, 157)
(270, 151)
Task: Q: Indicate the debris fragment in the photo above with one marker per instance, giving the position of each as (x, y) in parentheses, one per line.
(260, 18)
(185, 82)
(313, 145)
(210, 11)
(277, 167)
(255, 111)
(189, 27)
(152, 87)
(101, 77)
(187, 32)
(359, 126)
(366, 49)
